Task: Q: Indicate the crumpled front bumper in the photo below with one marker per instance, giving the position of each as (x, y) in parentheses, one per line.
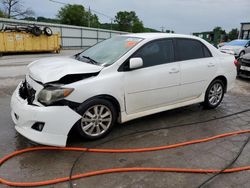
(58, 121)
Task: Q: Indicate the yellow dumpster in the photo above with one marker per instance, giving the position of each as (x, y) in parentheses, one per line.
(26, 42)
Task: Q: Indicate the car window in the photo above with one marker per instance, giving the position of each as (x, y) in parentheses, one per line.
(109, 51)
(190, 49)
(156, 53)
(207, 53)
(237, 43)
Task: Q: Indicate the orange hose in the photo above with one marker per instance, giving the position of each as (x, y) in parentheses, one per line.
(116, 170)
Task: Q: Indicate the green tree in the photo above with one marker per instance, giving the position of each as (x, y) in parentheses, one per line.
(137, 27)
(30, 18)
(108, 26)
(94, 21)
(219, 35)
(129, 21)
(150, 30)
(233, 34)
(48, 20)
(77, 15)
(169, 31)
(218, 30)
(1, 14)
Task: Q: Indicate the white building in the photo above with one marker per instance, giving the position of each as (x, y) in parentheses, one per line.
(245, 30)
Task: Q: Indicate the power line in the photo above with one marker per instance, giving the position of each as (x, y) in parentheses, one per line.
(59, 2)
(90, 10)
(97, 12)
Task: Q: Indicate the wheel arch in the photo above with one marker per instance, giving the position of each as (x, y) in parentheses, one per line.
(223, 79)
(111, 99)
(107, 97)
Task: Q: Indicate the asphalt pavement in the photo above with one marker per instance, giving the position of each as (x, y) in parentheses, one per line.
(44, 165)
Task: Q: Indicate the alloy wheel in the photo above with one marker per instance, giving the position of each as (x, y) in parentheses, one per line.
(215, 94)
(96, 120)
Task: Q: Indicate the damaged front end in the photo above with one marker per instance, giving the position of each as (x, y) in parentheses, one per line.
(38, 108)
(52, 93)
(47, 79)
(71, 78)
(27, 92)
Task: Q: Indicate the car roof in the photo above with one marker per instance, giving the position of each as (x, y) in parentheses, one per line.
(240, 40)
(160, 35)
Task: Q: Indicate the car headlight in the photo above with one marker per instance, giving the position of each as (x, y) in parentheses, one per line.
(231, 52)
(52, 94)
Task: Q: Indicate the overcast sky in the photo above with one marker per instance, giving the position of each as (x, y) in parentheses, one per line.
(182, 16)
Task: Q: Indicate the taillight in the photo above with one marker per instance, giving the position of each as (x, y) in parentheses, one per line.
(236, 62)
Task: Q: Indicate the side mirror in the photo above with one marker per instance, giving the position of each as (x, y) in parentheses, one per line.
(135, 63)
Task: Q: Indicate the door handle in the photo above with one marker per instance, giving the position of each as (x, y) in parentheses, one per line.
(173, 70)
(211, 65)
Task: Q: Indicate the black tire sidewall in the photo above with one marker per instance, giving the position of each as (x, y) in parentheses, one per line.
(85, 106)
(47, 31)
(207, 104)
(36, 31)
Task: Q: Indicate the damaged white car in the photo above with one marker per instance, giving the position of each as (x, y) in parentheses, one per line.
(118, 80)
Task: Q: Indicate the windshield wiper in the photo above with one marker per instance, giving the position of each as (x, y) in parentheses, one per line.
(78, 57)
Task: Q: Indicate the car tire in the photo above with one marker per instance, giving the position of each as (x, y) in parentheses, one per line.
(241, 53)
(98, 118)
(48, 31)
(214, 94)
(36, 31)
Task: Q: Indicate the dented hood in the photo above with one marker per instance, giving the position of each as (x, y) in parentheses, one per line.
(52, 69)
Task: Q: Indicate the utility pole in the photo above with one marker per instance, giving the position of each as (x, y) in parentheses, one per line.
(89, 13)
(111, 23)
(89, 17)
(162, 29)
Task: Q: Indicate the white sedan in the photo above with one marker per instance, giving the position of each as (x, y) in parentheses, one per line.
(237, 47)
(117, 80)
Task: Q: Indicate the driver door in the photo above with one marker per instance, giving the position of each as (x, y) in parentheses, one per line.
(157, 83)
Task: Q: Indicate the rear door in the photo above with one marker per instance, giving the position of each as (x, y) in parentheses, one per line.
(197, 67)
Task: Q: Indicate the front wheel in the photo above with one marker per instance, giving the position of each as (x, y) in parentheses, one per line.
(241, 53)
(214, 94)
(98, 118)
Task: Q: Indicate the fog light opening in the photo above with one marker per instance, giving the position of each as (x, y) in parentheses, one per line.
(16, 116)
(38, 126)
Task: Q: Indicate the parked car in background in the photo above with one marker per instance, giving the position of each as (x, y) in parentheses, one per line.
(236, 47)
(221, 44)
(243, 66)
(117, 80)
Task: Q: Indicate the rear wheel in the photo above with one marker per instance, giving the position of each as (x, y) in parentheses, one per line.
(98, 118)
(214, 94)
